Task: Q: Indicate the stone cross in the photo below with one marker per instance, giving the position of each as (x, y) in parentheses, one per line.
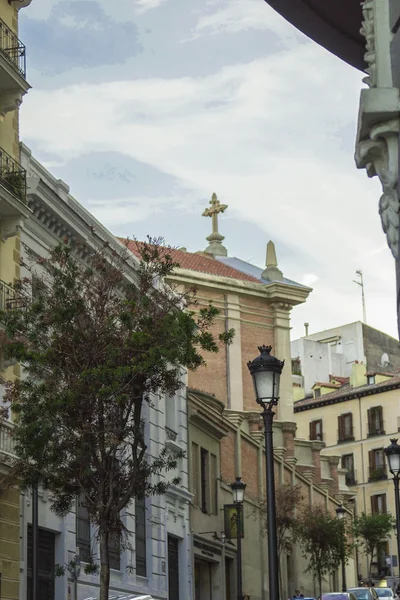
(215, 246)
(216, 208)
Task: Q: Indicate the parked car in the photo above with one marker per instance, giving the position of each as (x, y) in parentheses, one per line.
(338, 596)
(385, 592)
(364, 593)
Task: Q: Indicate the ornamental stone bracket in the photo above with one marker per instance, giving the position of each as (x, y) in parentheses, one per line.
(9, 227)
(378, 121)
(10, 101)
(379, 155)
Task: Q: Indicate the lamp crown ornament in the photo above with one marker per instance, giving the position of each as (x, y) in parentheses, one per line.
(392, 453)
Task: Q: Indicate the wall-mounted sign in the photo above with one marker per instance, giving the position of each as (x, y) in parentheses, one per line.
(230, 522)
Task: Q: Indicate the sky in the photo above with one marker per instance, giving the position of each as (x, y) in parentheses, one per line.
(146, 107)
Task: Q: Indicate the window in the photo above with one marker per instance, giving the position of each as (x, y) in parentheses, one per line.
(377, 465)
(348, 463)
(317, 392)
(345, 423)
(140, 537)
(195, 474)
(375, 421)
(378, 504)
(114, 548)
(204, 479)
(82, 530)
(371, 379)
(316, 430)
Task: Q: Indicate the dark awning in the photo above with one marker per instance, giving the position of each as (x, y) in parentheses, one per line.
(334, 24)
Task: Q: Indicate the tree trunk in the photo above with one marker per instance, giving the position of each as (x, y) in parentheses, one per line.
(370, 567)
(104, 563)
(320, 584)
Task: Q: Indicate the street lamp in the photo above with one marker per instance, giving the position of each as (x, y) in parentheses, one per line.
(238, 488)
(341, 513)
(266, 372)
(393, 457)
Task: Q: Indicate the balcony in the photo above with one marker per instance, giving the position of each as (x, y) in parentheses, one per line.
(7, 454)
(377, 473)
(351, 478)
(345, 435)
(375, 430)
(12, 176)
(9, 298)
(13, 84)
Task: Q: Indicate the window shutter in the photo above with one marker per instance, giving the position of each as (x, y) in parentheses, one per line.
(370, 420)
(312, 430)
(341, 427)
(371, 458)
(384, 506)
(195, 474)
(374, 505)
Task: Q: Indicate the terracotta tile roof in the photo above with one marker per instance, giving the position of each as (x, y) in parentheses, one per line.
(327, 385)
(347, 392)
(197, 261)
(339, 379)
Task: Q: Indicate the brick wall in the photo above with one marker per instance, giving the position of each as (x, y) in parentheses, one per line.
(228, 467)
(250, 469)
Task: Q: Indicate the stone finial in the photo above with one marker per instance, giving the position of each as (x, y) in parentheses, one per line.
(271, 272)
(215, 238)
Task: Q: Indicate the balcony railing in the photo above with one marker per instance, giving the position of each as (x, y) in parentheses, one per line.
(376, 429)
(9, 299)
(377, 473)
(12, 175)
(345, 435)
(6, 439)
(12, 49)
(351, 478)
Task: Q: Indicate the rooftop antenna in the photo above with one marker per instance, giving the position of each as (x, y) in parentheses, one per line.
(361, 284)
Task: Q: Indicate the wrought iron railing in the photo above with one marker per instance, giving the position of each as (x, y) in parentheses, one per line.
(9, 299)
(345, 435)
(376, 429)
(12, 175)
(378, 472)
(351, 478)
(12, 49)
(6, 439)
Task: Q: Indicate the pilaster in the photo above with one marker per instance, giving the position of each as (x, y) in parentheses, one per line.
(282, 351)
(234, 352)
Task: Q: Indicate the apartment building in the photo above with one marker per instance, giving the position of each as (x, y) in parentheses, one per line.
(13, 211)
(357, 419)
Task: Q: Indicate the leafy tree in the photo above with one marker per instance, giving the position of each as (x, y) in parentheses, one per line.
(323, 541)
(370, 531)
(94, 347)
(288, 498)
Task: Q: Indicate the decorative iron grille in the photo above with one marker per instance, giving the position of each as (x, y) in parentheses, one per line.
(12, 175)
(9, 299)
(12, 49)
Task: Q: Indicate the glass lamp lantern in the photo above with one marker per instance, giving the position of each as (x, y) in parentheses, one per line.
(266, 373)
(393, 457)
(238, 487)
(340, 512)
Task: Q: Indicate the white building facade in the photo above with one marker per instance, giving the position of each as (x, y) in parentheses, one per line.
(159, 561)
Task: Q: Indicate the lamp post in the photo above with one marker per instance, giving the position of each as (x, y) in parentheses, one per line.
(238, 488)
(266, 372)
(393, 457)
(341, 513)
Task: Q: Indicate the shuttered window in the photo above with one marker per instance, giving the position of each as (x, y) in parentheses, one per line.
(195, 474)
(345, 425)
(375, 421)
(82, 530)
(316, 430)
(213, 485)
(140, 537)
(378, 504)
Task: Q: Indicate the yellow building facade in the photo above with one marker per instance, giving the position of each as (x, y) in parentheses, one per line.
(357, 421)
(13, 210)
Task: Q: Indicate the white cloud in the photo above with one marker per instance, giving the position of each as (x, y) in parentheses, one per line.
(145, 5)
(271, 137)
(234, 16)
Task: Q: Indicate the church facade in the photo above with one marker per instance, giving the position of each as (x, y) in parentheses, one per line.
(226, 437)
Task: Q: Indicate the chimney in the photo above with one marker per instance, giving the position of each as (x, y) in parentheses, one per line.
(358, 372)
(306, 326)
